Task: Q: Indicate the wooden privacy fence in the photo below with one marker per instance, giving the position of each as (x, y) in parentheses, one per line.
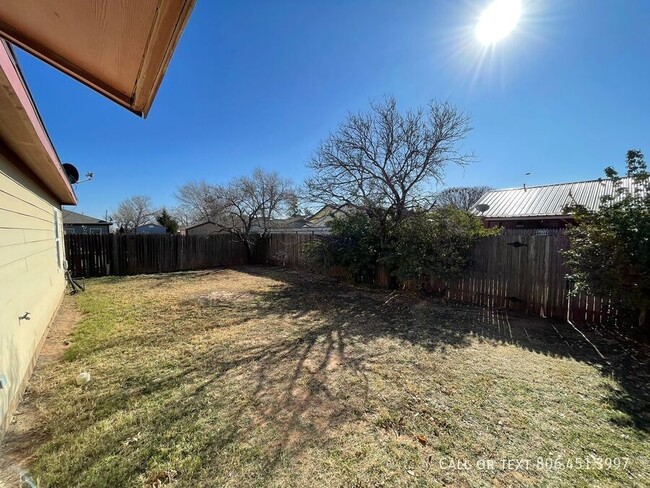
(287, 249)
(124, 254)
(525, 271)
(519, 270)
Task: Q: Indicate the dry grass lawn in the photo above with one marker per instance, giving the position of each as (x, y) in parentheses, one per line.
(272, 377)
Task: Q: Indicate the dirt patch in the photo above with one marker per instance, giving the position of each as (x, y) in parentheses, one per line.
(24, 436)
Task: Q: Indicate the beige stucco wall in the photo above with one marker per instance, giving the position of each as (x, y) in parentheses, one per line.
(31, 277)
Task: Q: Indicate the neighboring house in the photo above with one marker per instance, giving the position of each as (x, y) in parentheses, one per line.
(76, 223)
(152, 228)
(275, 226)
(121, 55)
(315, 223)
(201, 229)
(541, 207)
(289, 223)
(324, 216)
(319, 222)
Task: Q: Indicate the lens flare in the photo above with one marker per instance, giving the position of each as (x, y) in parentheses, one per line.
(497, 21)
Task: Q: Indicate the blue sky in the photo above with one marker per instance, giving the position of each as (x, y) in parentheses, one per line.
(260, 83)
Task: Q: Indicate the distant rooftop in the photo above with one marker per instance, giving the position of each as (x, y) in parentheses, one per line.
(286, 223)
(546, 200)
(150, 224)
(72, 218)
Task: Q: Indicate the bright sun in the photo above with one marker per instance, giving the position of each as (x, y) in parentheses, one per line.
(497, 21)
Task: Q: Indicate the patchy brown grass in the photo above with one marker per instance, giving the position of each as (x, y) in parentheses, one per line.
(272, 377)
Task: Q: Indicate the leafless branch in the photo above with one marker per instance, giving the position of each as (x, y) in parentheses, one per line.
(382, 159)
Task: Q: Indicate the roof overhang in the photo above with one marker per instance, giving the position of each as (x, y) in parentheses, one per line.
(22, 133)
(119, 48)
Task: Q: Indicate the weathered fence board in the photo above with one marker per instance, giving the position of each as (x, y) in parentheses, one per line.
(530, 277)
(120, 254)
(287, 249)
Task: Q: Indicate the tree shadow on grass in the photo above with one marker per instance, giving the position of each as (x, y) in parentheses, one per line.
(435, 324)
(298, 369)
(295, 377)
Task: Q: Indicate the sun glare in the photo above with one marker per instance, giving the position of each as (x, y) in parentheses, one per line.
(497, 21)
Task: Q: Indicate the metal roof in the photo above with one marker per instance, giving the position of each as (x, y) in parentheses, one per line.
(72, 218)
(546, 200)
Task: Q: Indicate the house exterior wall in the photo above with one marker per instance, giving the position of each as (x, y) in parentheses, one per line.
(150, 229)
(202, 229)
(31, 277)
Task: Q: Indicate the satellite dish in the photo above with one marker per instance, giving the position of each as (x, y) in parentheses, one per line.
(482, 207)
(71, 171)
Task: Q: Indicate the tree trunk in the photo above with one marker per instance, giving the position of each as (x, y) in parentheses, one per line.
(382, 276)
(249, 252)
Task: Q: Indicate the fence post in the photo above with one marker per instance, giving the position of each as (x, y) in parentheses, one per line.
(113, 267)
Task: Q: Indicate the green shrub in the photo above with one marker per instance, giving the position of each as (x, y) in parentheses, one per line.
(436, 244)
(609, 255)
(353, 244)
(433, 244)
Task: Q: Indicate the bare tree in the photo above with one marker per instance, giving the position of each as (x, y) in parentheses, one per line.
(296, 207)
(381, 161)
(196, 201)
(246, 207)
(462, 197)
(133, 212)
(181, 215)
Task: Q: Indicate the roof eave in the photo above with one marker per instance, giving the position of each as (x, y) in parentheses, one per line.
(23, 132)
(165, 32)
